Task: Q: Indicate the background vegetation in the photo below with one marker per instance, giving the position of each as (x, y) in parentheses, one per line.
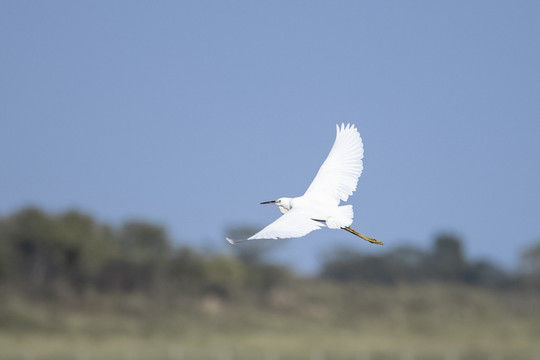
(72, 287)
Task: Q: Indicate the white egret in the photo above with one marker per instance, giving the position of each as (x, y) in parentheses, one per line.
(319, 206)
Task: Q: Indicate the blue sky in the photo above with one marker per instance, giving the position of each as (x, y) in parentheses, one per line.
(190, 113)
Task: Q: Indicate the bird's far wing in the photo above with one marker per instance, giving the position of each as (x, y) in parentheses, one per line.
(295, 223)
(338, 175)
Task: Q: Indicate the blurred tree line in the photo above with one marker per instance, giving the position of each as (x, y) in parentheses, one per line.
(45, 255)
(445, 262)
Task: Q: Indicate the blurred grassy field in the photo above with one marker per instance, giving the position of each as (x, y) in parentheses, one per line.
(307, 319)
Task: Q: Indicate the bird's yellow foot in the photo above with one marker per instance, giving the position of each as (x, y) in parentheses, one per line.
(367, 238)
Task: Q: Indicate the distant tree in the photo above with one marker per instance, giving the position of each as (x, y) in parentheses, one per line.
(263, 278)
(144, 239)
(140, 261)
(447, 261)
(403, 264)
(186, 271)
(224, 276)
(350, 265)
(30, 236)
(41, 250)
(484, 273)
(529, 267)
(408, 264)
(6, 256)
(82, 247)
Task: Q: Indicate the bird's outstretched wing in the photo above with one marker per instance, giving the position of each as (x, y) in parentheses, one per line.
(295, 223)
(338, 175)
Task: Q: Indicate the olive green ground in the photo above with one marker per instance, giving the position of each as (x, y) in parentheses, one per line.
(305, 320)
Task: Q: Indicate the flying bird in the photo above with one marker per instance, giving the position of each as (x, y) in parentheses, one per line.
(320, 205)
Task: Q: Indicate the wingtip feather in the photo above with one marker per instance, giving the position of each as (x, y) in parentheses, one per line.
(348, 127)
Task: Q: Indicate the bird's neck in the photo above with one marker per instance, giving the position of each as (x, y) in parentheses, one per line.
(286, 205)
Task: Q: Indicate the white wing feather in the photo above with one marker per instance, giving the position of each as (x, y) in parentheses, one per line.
(338, 176)
(295, 223)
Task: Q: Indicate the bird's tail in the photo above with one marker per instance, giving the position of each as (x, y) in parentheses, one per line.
(342, 218)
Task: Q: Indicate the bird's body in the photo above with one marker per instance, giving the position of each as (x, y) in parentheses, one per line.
(320, 204)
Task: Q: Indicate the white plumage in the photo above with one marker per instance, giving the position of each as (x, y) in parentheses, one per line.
(337, 178)
(335, 181)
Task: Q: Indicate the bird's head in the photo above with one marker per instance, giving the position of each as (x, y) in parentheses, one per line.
(284, 203)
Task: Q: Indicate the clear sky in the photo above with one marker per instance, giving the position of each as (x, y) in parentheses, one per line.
(190, 113)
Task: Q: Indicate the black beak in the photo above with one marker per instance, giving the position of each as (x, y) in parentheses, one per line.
(269, 202)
